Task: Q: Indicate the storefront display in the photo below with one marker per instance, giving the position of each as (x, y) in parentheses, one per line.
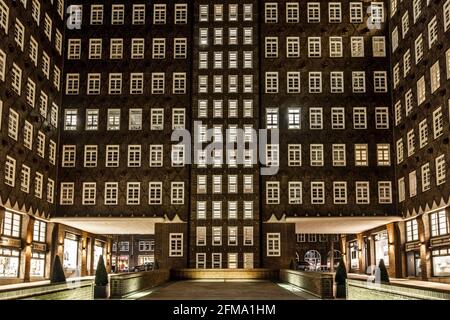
(413, 264)
(123, 263)
(354, 259)
(382, 248)
(9, 263)
(441, 262)
(98, 251)
(37, 264)
(145, 259)
(70, 251)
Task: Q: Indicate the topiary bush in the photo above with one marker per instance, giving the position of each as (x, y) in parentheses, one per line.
(384, 275)
(340, 279)
(292, 265)
(101, 276)
(341, 272)
(57, 275)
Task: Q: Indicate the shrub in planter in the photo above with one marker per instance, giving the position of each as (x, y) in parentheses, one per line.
(57, 275)
(381, 274)
(292, 265)
(101, 280)
(340, 279)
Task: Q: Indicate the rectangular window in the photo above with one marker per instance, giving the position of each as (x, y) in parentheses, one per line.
(90, 156)
(272, 192)
(412, 230)
(177, 193)
(232, 236)
(356, 12)
(383, 154)
(181, 11)
(69, 156)
(339, 155)
(426, 177)
(67, 193)
(334, 12)
(271, 12)
(361, 155)
(12, 223)
(89, 193)
(216, 236)
(133, 193)
(248, 236)
(357, 47)
(337, 118)
(138, 14)
(25, 179)
(384, 192)
(440, 170)
(439, 223)
(313, 9)
(175, 244)
(156, 155)
(295, 192)
(315, 82)
(201, 236)
(360, 118)
(438, 123)
(316, 155)
(273, 243)
(292, 12)
(39, 231)
(412, 184)
(111, 193)
(340, 192)
(314, 47)
(317, 192)
(362, 192)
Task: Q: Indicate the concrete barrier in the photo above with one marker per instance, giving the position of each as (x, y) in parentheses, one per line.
(76, 290)
(363, 290)
(126, 283)
(319, 284)
(249, 274)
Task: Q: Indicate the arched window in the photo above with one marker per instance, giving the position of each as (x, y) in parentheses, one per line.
(313, 258)
(337, 258)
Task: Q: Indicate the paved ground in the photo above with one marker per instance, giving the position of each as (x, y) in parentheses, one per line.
(410, 282)
(224, 290)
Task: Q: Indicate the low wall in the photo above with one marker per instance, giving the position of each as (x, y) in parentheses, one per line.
(77, 290)
(184, 274)
(124, 284)
(363, 290)
(319, 284)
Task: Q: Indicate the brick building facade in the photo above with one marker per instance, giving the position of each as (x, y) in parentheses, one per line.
(94, 98)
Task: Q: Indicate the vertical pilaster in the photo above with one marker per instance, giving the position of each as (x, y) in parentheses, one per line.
(2, 216)
(28, 248)
(361, 253)
(423, 223)
(400, 249)
(345, 250)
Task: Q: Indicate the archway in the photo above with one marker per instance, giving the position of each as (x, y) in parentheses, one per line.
(336, 258)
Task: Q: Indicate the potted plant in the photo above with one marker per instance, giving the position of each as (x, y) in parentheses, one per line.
(57, 275)
(340, 278)
(101, 288)
(292, 265)
(381, 273)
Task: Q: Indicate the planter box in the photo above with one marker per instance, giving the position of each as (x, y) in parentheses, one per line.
(101, 292)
